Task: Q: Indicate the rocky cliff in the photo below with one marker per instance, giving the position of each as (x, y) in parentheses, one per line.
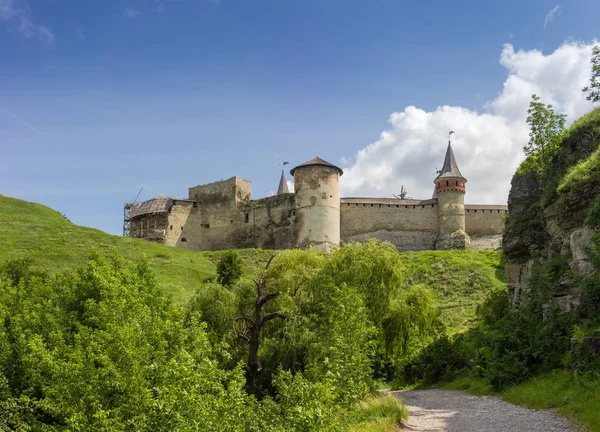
(547, 216)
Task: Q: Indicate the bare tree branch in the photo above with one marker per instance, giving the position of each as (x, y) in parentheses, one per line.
(263, 300)
(272, 316)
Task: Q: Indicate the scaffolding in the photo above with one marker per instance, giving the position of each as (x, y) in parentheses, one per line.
(127, 215)
(126, 219)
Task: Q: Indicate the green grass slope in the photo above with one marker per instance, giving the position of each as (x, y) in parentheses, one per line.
(55, 244)
(462, 279)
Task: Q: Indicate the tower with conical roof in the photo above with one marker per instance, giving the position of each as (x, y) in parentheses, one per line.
(283, 187)
(317, 193)
(450, 188)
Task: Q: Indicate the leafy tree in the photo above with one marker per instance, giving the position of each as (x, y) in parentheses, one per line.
(103, 348)
(593, 90)
(229, 268)
(544, 126)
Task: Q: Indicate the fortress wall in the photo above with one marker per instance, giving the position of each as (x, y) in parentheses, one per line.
(271, 223)
(360, 218)
(184, 228)
(403, 240)
(267, 223)
(406, 226)
(226, 193)
(484, 220)
(149, 226)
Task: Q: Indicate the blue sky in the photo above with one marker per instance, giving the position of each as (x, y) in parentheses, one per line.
(98, 98)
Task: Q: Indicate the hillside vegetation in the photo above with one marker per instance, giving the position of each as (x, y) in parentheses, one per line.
(540, 355)
(55, 244)
(461, 279)
(93, 341)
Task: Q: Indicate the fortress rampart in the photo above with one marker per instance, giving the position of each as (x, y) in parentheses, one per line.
(222, 215)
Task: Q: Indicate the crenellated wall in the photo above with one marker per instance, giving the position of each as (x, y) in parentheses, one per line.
(407, 224)
(221, 215)
(483, 220)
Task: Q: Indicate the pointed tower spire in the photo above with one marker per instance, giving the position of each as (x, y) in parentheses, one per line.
(450, 168)
(283, 187)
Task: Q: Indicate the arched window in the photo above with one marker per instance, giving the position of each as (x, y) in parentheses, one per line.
(447, 183)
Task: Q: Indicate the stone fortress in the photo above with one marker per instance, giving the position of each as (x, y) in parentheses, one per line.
(222, 215)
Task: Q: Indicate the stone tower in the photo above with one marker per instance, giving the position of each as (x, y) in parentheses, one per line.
(317, 190)
(450, 190)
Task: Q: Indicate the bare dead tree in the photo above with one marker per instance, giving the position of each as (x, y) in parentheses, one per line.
(254, 326)
(402, 195)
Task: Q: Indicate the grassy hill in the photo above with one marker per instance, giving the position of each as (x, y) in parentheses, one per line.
(55, 244)
(462, 278)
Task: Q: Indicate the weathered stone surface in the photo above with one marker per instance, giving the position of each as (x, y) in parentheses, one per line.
(547, 223)
(456, 240)
(403, 240)
(525, 191)
(489, 242)
(579, 241)
(516, 278)
(222, 215)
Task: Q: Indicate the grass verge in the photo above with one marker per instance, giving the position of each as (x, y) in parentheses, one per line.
(573, 398)
(380, 413)
(472, 385)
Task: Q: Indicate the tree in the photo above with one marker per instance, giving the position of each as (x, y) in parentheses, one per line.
(403, 193)
(593, 89)
(544, 126)
(254, 326)
(229, 269)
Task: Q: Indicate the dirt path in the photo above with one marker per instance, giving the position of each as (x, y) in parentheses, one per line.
(455, 411)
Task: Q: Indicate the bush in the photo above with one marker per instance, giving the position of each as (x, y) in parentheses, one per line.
(103, 349)
(229, 268)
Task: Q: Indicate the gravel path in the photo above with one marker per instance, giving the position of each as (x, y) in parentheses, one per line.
(455, 411)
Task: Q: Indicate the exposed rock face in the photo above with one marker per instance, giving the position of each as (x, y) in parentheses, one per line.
(525, 191)
(456, 240)
(536, 235)
(544, 223)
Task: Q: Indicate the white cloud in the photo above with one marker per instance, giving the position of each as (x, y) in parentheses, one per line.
(488, 144)
(551, 14)
(130, 12)
(16, 13)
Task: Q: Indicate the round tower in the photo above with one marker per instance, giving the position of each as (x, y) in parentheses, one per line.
(317, 190)
(450, 188)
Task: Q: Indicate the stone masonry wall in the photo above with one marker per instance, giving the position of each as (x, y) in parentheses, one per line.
(226, 193)
(268, 223)
(271, 223)
(317, 194)
(406, 226)
(184, 228)
(484, 220)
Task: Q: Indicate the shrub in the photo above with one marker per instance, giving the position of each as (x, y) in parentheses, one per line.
(229, 268)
